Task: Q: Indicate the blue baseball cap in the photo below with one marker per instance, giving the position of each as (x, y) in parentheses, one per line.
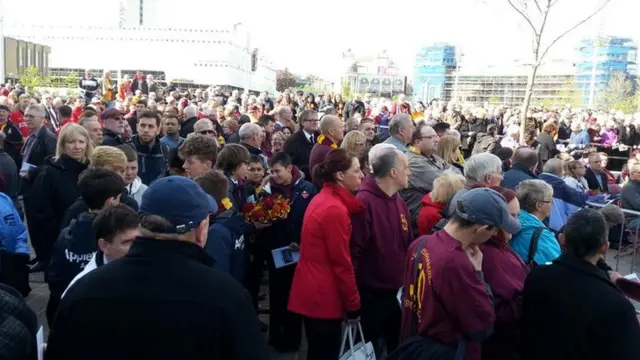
(178, 200)
(487, 207)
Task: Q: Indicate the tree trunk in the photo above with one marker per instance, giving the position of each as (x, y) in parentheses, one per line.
(527, 101)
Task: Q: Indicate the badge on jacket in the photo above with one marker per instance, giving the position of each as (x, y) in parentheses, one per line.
(304, 194)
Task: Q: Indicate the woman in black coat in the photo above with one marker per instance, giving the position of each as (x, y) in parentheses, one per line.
(55, 189)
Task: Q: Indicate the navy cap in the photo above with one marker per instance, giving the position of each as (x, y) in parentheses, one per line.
(487, 207)
(5, 108)
(178, 200)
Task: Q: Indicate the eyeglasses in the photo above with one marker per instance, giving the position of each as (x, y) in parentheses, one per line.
(206, 132)
(312, 120)
(428, 137)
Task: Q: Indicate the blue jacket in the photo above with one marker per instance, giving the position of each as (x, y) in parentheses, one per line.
(566, 200)
(284, 232)
(581, 138)
(13, 234)
(515, 176)
(72, 252)
(225, 243)
(151, 160)
(548, 247)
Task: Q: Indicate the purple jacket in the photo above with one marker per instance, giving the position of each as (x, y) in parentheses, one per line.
(505, 273)
(609, 137)
(318, 153)
(380, 238)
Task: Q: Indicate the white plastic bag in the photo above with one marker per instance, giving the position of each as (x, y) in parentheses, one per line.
(359, 351)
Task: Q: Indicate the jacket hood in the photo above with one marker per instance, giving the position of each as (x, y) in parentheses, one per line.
(231, 219)
(296, 174)
(428, 202)
(369, 185)
(80, 237)
(135, 186)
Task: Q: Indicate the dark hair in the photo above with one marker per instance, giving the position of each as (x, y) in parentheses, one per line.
(265, 120)
(149, 114)
(203, 147)
(86, 115)
(214, 183)
(364, 158)
(129, 152)
(255, 159)
(143, 102)
(585, 232)
(174, 161)
(525, 156)
(305, 114)
(114, 219)
(96, 185)
(460, 221)
(172, 117)
(65, 111)
(244, 119)
(231, 157)
(417, 133)
(335, 161)
(504, 153)
(279, 158)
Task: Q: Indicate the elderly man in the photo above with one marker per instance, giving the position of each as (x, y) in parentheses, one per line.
(596, 178)
(285, 118)
(113, 122)
(300, 144)
(251, 139)
(425, 168)
(379, 242)
(41, 142)
(204, 127)
(331, 133)
(401, 130)
(483, 168)
(191, 116)
(525, 161)
(566, 200)
(579, 136)
(89, 121)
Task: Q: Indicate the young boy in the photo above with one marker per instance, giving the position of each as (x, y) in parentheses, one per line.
(226, 230)
(106, 157)
(132, 181)
(115, 228)
(256, 172)
(99, 188)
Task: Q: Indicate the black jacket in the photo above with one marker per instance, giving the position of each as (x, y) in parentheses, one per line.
(571, 310)
(44, 146)
(79, 206)
(163, 300)
(13, 142)
(186, 127)
(53, 192)
(109, 138)
(299, 148)
(592, 181)
(152, 160)
(9, 171)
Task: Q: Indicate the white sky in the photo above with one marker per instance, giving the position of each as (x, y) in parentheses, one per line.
(310, 38)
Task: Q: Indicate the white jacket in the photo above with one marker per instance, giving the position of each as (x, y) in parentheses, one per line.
(136, 189)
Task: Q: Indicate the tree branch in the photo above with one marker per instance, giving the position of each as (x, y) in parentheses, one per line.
(605, 3)
(533, 28)
(538, 6)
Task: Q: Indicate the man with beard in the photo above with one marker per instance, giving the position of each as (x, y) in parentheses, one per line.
(152, 153)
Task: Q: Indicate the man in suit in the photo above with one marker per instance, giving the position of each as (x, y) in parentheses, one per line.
(41, 142)
(300, 144)
(571, 308)
(596, 178)
(53, 122)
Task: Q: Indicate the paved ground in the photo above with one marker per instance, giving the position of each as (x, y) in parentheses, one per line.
(37, 300)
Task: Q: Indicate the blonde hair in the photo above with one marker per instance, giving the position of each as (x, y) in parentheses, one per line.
(448, 147)
(351, 139)
(68, 131)
(109, 157)
(445, 186)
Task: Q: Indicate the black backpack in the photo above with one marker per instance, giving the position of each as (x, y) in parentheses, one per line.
(418, 347)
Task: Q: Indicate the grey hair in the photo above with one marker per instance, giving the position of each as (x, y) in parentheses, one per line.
(249, 130)
(554, 166)
(398, 122)
(478, 166)
(326, 122)
(190, 111)
(40, 108)
(531, 192)
(386, 160)
(377, 150)
(454, 132)
(200, 123)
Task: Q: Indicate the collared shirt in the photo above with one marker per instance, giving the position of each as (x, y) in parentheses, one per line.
(308, 136)
(28, 146)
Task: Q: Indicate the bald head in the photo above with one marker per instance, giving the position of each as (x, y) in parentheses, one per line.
(332, 127)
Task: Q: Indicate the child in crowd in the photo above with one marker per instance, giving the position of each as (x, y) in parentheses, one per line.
(226, 228)
(132, 181)
(99, 188)
(256, 172)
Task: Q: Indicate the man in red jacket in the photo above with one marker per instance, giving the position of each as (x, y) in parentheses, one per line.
(17, 117)
(380, 237)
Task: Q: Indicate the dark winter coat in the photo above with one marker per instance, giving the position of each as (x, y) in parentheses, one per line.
(163, 300)
(299, 148)
(225, 243)
(186, 127)
(152, 159)
(109, 138)
(79, 206)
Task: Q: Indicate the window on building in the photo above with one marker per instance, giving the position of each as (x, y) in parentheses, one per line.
(20, 56)
(29, 57)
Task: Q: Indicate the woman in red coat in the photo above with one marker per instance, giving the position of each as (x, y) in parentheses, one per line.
(324, 287)
(444, 187)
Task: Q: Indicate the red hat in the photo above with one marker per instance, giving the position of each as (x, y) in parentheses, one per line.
(111, 114)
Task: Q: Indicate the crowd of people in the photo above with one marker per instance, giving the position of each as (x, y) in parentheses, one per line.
(431, 227)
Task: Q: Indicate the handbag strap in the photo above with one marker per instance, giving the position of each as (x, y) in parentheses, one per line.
(533, 245)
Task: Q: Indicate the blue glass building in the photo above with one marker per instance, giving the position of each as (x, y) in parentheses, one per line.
(610, 55)
(432, 64)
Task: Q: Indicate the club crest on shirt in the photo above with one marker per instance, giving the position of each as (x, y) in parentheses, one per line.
(405, 224)
(304, 194)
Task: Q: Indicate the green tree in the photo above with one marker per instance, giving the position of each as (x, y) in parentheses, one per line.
(31, 79)
(570, 94)
(71, 80)
(494, 100)
(346, 91)
(619, 94)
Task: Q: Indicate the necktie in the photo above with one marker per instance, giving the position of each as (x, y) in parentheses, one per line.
(26, 150)
(311, 139)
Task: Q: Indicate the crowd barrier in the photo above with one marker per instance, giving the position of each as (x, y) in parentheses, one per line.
(633, 234)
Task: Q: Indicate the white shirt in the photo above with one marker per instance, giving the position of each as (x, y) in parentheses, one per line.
(309, 136)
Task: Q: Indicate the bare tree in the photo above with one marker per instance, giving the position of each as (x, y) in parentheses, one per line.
(536, 14)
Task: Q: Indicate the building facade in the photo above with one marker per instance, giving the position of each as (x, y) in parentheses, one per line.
(19, 55)
(433, 65)
(370, 74)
